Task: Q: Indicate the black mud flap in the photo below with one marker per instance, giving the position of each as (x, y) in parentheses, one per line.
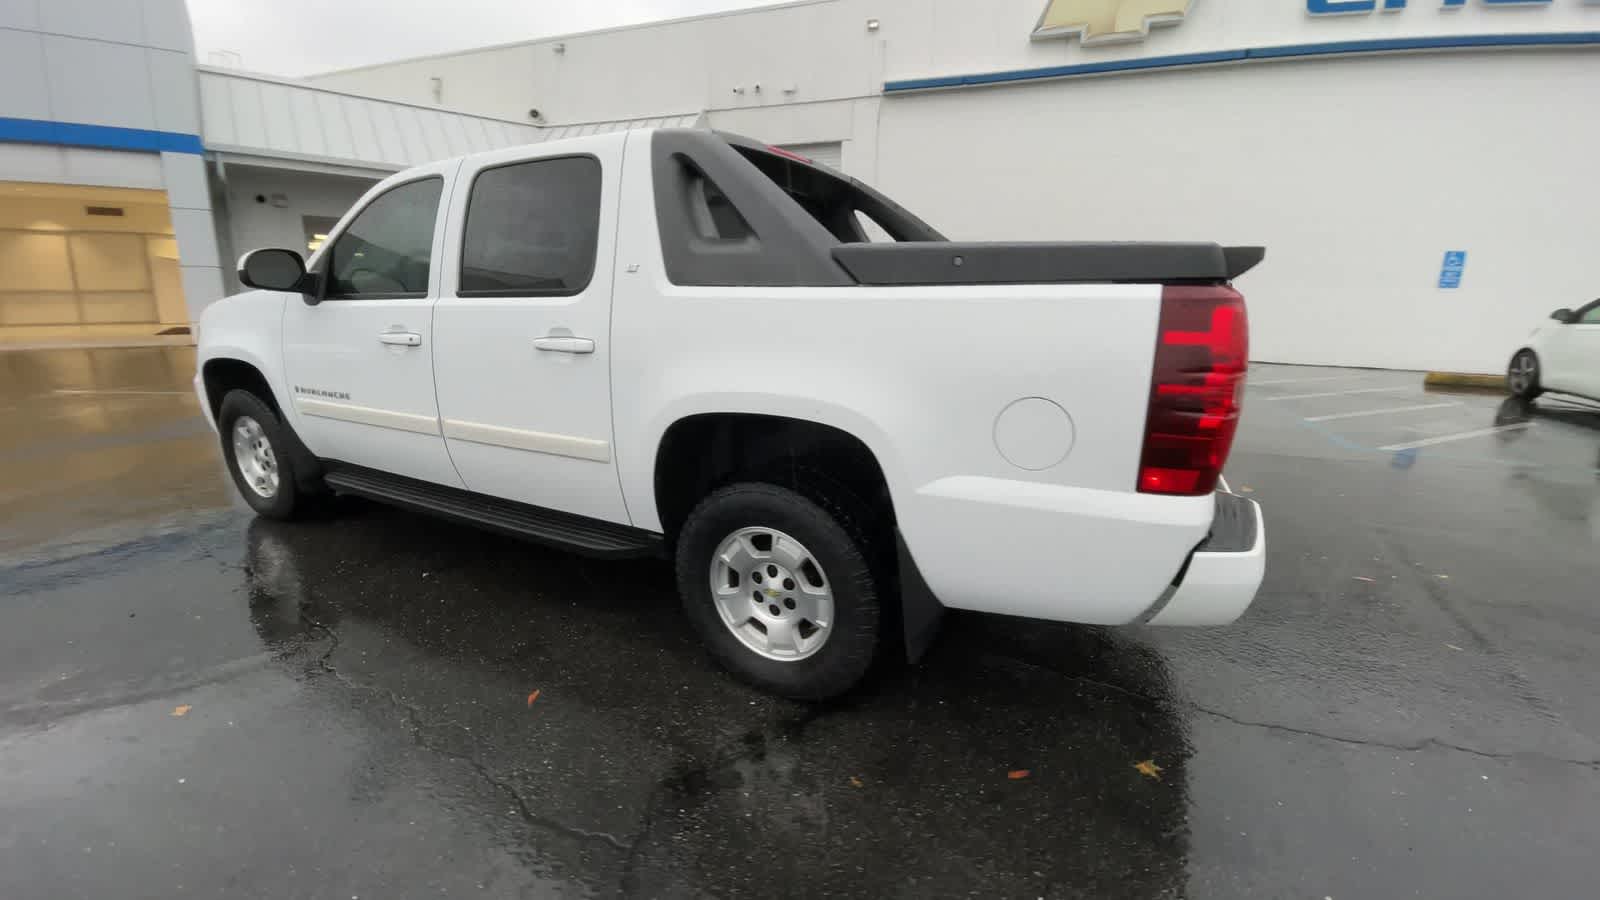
(920, 611)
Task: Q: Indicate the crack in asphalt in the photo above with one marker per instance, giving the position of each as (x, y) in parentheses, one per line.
(1404, 748)
(749, 744)
(417, 725)
(1305, 732)
(1439, 594)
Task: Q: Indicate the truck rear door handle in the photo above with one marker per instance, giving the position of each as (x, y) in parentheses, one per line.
(401, 338)
(564, 344)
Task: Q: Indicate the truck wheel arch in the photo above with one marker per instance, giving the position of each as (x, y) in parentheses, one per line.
(221, 374)
(701, 452)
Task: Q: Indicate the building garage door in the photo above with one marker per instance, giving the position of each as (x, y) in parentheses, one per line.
(86, 256)
(830, 154)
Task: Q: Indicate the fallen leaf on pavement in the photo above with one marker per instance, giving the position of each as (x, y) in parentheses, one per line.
(532, 697)
(1019, 774)
(855, 782)
(182, 710)
(1148, 769)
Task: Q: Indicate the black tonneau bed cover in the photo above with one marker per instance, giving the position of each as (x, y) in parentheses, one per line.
(951, 263)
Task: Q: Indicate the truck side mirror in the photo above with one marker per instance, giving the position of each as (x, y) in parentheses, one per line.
(1563, 315)
(272, 270)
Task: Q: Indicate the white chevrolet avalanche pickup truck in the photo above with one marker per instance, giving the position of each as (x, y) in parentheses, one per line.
(685, 343)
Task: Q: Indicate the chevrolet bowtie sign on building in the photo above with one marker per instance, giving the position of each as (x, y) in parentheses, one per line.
(1107, 21)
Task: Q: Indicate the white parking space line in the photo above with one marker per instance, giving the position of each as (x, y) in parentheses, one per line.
(1407, 387)
(1379, 412)
(124, 393)
(1459, 436)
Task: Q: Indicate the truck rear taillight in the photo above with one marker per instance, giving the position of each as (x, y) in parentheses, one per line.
(1202, 350)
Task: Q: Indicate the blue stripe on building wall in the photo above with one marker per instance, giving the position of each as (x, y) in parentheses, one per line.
(1387, 45)
(105, 137)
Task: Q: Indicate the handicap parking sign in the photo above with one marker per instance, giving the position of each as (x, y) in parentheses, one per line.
(1450, 273)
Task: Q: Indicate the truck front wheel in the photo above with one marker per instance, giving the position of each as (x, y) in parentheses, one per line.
(255, 446)
(1522, 376)
(781, 589)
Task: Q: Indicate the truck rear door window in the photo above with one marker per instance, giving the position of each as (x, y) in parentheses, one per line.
(531, 229)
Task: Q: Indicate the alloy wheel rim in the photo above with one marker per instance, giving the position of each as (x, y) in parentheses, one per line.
(254, 456)
(1522, 369)
(771, 593)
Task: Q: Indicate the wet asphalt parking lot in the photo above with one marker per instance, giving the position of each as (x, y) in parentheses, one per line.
(197, 703)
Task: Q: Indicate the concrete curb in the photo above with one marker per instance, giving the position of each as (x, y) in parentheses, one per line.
(174, 340)
(1465, 380)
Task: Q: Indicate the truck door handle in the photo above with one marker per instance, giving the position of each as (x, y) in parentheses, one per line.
(401, 338)
(564, 344)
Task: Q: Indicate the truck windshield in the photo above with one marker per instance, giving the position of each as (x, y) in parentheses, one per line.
(850, 210)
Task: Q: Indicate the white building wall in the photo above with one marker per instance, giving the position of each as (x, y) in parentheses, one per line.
(1357, 176)
(491, 82)
(1357, 171)
(796, 53)
(816, 50)
(852, 123)
(102, 92)
(945, 37)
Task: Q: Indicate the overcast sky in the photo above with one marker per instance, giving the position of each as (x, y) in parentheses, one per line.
(299, 37)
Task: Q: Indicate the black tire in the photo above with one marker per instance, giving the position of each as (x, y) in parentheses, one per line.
(1522, 375)
(288, 500)
(835, 535)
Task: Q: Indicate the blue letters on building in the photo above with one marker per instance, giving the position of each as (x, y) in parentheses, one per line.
(1356, 7)
(1339, 7)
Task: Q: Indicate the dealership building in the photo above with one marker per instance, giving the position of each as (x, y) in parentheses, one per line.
(1421, 171)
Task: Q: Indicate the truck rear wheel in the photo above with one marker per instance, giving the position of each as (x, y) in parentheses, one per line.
(781, 589)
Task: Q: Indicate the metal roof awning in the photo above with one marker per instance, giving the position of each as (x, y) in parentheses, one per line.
(579, 129)
(250, 119)
(265, 118)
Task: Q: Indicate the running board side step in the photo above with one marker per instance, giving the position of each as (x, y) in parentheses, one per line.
(590, 537)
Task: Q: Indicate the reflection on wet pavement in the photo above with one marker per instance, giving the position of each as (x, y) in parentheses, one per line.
(107, 435)
(641, 766)
(1408, 710)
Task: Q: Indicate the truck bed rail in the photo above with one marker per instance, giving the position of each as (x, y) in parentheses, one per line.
(951, 263)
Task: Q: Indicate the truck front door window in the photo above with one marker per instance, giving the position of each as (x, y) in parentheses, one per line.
(387, 250)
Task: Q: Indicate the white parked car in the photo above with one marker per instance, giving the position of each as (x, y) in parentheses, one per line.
(1563, 356)
(683, 343)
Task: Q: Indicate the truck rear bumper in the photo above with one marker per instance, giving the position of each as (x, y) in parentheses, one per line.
(1080, 555)
(1223, 573)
